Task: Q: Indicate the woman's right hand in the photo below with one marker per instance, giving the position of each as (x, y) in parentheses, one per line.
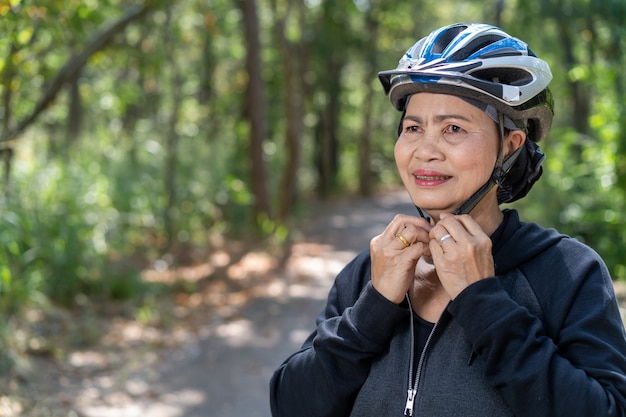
(393, 262)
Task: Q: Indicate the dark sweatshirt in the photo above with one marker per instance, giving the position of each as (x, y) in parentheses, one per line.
(544, 337)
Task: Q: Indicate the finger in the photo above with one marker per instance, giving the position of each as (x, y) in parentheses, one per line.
(463, 223)
(444, 238)
(409, 229)
(415, 233)
(445, 232)
(401, 221)
(467, 236)
(450, 225)
(403, 239)
(469, 224)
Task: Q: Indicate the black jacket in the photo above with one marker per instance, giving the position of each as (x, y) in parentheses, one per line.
(544, 337)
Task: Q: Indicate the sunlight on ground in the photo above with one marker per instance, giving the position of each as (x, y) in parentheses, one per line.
(10, 407)
(253, 263)
(239, 332)
(171, 405)
(87, 359)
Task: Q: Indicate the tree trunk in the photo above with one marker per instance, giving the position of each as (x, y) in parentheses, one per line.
(328, 135)
(365, 138)
(332, 45)
(171, 146)
(620, 94)
(6, 149)
(327, 142)
(255, 110)
(209, 60)
(498, 11)
(74, 113)
(580, 92)
(7, 158)
(294, 104)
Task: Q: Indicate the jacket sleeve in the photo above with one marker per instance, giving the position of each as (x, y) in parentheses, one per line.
(323, 378)
(571, 363)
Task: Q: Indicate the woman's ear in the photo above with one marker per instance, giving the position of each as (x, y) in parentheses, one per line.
(514, 140)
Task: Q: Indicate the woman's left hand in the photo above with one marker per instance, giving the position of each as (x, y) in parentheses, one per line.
(464, 256)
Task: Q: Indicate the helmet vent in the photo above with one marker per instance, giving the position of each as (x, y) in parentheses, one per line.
(510, 76)
(445, 38)
(475, 46)
(501, 52)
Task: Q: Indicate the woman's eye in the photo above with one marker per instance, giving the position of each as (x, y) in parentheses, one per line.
(453, 129)
(411, 129)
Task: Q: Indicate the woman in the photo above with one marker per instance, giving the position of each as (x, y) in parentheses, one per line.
(464, 310)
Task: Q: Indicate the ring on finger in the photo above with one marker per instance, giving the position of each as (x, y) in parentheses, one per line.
(444, 238)
(403, 240)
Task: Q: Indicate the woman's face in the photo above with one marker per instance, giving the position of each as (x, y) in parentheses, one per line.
(446, 151)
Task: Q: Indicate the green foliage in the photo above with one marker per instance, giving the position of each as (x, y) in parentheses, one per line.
(54, 238)
(577, 195)
(581, 193)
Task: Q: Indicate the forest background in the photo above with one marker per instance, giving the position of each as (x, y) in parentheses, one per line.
(142, 136)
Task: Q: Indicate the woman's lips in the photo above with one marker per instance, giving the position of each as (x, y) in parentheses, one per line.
(429, 178)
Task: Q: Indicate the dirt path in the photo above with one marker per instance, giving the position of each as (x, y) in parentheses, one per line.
(219, 361)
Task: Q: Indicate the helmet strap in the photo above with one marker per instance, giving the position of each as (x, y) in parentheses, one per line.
(497, 176)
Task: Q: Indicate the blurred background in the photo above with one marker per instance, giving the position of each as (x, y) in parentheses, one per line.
(147, 149)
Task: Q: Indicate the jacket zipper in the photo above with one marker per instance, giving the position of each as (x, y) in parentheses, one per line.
(412, 390)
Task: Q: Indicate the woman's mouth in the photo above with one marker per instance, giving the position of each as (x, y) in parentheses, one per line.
(428, 178)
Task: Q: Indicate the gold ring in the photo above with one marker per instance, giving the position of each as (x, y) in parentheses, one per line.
(403, 240)
(444, 238)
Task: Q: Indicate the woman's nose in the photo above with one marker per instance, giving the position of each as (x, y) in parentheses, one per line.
(428, 148)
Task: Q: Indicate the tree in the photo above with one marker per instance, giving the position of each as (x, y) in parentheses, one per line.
(67, 73)
(332, 49)
(366, 186)
(255, 110)
(294, 59)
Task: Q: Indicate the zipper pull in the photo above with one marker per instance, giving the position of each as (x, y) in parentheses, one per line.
(410, 399)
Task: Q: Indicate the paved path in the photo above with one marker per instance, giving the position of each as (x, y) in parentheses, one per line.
(225, 372)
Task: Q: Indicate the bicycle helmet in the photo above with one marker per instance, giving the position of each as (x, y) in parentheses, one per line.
(484, 64)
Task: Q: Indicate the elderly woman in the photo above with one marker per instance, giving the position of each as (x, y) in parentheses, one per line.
(465, 310)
